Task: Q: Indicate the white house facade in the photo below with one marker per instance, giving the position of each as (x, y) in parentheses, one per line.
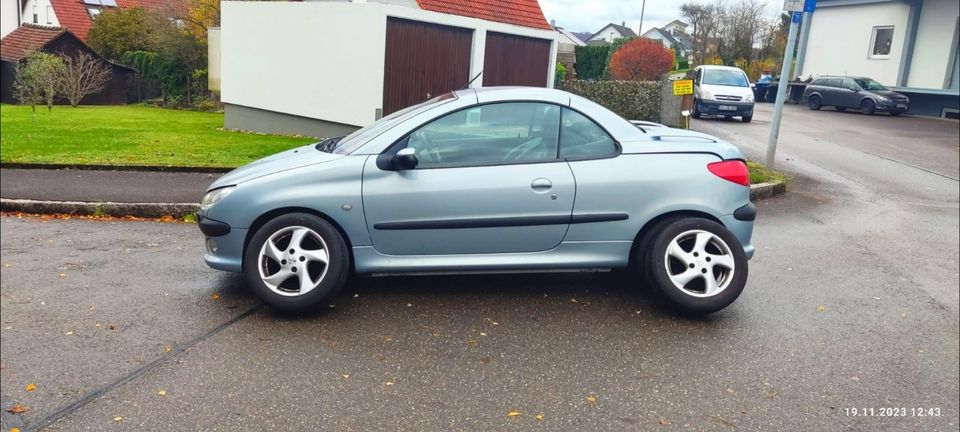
(910, 45)
(321, 68)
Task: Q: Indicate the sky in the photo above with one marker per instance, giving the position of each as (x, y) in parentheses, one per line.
(592, 15)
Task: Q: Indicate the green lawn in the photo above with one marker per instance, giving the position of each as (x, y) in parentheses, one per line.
(129, 135)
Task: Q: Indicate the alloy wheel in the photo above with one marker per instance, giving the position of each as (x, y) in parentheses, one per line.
(699, 263)
(293, 261)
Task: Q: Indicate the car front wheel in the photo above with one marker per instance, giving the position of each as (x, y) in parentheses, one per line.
(696, 265)
(296, 261)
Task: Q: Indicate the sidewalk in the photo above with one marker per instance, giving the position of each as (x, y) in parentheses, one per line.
(104, 186)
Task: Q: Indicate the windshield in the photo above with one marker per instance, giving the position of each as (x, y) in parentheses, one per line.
(869, 84)
(725, 77)
(351, 142)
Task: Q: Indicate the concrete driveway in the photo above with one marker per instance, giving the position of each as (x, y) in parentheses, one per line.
(851, 303)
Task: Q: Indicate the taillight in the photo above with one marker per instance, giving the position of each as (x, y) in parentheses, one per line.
(731, 170)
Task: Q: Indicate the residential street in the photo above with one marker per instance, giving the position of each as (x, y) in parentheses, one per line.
(851, 303)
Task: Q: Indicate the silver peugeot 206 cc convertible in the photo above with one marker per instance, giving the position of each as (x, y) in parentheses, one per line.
(489, 179)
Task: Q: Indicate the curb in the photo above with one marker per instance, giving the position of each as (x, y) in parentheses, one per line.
(145, 210)
(154, 168)
(767, 190)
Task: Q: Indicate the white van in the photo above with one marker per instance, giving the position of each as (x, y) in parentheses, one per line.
(721, 90)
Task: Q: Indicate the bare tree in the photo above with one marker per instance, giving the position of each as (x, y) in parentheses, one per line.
(83, 74)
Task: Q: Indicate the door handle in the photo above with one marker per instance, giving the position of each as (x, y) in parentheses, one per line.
(541, 185)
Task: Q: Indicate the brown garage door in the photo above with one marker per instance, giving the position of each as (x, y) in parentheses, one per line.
(423, 60)
(515, 60)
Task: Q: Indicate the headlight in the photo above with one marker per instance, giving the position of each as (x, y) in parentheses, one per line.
(213, 197)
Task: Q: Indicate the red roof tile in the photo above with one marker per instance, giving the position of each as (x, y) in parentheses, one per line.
(28, 37)
(525, 13)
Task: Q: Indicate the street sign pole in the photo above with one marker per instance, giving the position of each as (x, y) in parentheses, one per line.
(782, 89)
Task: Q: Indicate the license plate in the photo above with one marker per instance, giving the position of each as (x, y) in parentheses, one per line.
(727, 108)
(901, 105)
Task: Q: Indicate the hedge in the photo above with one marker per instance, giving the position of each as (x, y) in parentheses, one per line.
(632, 100)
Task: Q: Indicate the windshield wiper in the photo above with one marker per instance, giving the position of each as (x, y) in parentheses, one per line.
(329, 145)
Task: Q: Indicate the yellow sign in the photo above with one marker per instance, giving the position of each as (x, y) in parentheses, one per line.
(682, 87)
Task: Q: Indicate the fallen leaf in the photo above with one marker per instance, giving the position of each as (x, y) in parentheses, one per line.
(215, 296)
(592, 399)
(30, 387)
(117, 418)
(539, 417)
(514, 413)
(162, 393)
(17, 408)
(664, 422)
(821, 308)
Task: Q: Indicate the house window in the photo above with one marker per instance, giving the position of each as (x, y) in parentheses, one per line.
(880, 42)
(49, 14)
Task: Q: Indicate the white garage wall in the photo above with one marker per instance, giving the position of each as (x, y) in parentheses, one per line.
(931, 53)
(839, 41)
(324, 60)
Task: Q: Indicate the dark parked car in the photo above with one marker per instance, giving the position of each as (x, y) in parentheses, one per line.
(861, 93)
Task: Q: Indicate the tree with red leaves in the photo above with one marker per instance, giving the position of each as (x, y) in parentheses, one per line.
(640, 59)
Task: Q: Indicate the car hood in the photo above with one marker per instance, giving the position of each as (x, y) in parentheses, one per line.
(283, 161)
(886, 93)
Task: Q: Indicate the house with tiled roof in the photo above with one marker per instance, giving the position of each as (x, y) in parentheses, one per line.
(610, 33)
(76, 15)
(326, 68)
(28, 38)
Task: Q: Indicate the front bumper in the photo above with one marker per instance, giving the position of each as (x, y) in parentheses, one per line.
(713, 108)
(223, 244)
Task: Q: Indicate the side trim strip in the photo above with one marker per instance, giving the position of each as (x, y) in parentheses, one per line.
(517, 221)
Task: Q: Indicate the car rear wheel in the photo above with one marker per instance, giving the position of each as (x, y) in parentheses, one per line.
(868, 107)
(296, 261)
(814, 102)
(696, 265)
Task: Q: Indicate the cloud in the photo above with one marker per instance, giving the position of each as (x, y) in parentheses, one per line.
(591, 16)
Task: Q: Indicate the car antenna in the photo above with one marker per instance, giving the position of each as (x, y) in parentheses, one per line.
(471, 81)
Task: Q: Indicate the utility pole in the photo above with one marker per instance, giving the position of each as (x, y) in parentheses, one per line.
(643, 7)
(783, 83)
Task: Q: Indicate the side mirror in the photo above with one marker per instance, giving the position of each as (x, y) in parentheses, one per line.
(405, 159)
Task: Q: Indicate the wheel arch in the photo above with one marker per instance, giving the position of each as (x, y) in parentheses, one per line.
(261, 220)
(650, 224)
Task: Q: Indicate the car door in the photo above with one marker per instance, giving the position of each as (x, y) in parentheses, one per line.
(488, 180)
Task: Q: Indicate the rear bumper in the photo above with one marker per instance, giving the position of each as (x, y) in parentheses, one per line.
(713, 107)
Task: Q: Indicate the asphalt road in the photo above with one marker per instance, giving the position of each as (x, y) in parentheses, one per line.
(848, 306)
(104, 186)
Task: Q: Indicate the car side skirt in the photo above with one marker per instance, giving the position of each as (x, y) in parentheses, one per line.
(567, 255)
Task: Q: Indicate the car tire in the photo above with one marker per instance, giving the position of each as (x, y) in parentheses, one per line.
(841, 109)
(814, 102)
(868, 107)
(696, 111)
(274, 274)
(721, 256)
(747, 119)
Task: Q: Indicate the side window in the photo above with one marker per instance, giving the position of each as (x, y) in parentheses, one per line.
(581, 138)
(489, 134)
